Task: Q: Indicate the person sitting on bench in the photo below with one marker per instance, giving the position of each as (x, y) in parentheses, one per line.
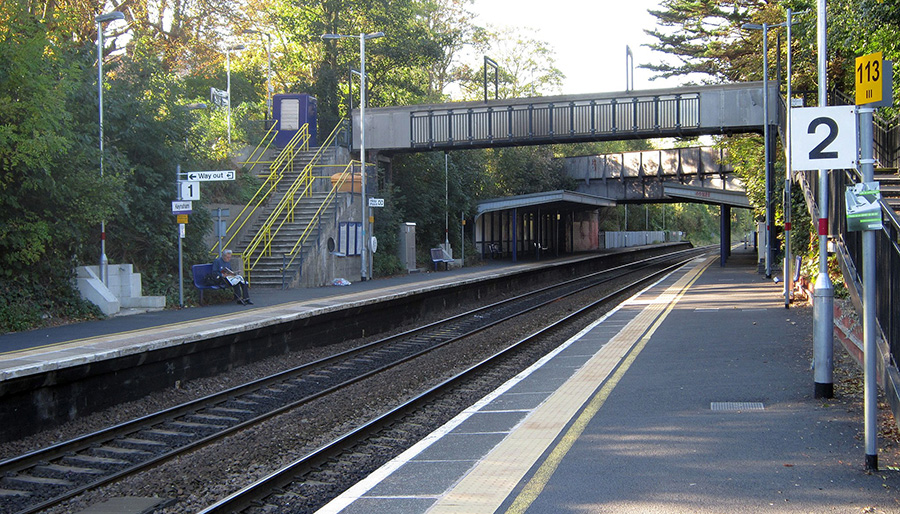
(223, 271)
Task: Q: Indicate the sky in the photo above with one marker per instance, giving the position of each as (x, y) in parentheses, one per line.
(589, 38)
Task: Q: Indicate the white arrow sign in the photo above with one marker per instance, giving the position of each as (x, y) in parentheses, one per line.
(207, 176)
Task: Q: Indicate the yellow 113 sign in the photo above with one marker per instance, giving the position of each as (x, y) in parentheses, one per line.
(869, 77)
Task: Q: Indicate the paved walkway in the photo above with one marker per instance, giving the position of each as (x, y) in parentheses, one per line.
(262, 298)
(695, 397)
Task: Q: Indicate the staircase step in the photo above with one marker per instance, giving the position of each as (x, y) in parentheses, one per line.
(266, 271)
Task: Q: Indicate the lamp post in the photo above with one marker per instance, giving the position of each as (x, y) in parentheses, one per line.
(823, 292)
(788, 172)
(629, 69)
(269, 89)
(228, 50)
(101, 19)
(362, 136)
(770, 207)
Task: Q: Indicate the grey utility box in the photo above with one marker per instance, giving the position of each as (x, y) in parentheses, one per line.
(408, 246)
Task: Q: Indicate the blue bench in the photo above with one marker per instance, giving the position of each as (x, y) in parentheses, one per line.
(437, 257)
(200, 272)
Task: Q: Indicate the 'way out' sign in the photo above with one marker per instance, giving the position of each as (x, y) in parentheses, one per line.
(823, 138)
(208, 176)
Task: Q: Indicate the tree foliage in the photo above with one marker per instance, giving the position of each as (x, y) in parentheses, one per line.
(703, 36)
(166, 56)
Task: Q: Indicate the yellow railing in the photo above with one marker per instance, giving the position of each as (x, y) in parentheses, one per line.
(257, 154)
(261, 244)
(282, 164)
(336, 186)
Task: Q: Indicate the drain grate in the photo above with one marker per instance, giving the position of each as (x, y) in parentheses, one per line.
(736, 406)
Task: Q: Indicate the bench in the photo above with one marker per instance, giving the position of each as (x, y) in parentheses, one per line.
(437, 257)
(200, 272)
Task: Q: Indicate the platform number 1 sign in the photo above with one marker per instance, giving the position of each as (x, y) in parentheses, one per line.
(823, 138)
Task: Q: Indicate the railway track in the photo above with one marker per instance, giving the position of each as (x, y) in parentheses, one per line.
(45, 478)
(284, 489)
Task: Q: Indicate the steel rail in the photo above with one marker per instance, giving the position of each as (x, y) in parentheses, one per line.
(194, 407)
(252, 495)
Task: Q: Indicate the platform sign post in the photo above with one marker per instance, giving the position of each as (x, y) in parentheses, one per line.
(823, 138)
(874, 78)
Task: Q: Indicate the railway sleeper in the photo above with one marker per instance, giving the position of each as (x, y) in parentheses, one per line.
(59, 469)
(13, 493)
(32, 481)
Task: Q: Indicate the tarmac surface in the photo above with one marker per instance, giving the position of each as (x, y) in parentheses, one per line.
(707, 408)
(261, 297)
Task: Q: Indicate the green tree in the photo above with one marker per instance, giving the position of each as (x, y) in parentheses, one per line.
(50, 192)
(703, 36)
(526, 66)
(396, 65)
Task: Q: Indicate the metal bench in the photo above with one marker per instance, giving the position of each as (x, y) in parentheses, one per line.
(200, 272)
(437, 257)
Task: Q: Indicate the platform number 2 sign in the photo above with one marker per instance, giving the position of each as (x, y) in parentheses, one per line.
(823, 138)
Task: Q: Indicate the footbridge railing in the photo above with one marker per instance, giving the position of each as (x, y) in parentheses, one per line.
(282, 164)
(653, 113)
(296, 251)
(547, 122)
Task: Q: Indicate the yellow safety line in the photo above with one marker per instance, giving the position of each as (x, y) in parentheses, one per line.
(115, 334)
(536, 485)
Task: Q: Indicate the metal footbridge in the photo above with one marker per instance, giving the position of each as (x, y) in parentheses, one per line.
(674, 112)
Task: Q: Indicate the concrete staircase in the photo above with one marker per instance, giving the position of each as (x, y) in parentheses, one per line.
(267, 271)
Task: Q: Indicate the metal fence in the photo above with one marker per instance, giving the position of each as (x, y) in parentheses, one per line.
(887, 258)
(554, 122)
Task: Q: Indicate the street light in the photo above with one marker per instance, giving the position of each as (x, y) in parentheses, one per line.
(788, 170)
(269, 89)
(362, 135)
(228, 50)
(769, 205)
(101, 19)
(629, 69)
(788, 275)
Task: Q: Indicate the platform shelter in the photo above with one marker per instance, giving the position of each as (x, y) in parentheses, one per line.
(536, 225)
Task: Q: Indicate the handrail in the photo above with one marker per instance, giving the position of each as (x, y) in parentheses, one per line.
(261, 244)
(284, 162)
(336, 186)
(267, 139)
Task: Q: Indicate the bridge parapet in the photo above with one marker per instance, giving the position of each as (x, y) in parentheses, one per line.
(642, 176)
(549, 122)
(674, 112)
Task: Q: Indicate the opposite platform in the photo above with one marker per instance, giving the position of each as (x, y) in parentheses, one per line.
(694, 396)
(38, 351)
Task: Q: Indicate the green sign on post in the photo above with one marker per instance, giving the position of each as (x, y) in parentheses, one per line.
(863, 206)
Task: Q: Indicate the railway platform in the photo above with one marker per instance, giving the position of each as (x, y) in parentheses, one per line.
(695, 396)
(47, 348)
(54, 375)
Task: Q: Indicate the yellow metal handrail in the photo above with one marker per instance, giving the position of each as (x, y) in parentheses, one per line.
(283, 163)
(262, 147)
(336, 186)
(261, 243)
